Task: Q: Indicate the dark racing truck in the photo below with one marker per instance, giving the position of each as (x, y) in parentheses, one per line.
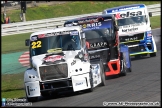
(101, 34)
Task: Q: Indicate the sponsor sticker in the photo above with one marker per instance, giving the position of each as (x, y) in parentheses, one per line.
(128, 14)
(53, 58)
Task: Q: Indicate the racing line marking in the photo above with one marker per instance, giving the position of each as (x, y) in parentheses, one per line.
(24, 59)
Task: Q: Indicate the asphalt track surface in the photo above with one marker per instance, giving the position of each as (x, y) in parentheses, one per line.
(143, 84)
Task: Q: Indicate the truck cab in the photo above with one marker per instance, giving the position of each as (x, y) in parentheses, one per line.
(134, 28)
(102, 41)
(60, 62)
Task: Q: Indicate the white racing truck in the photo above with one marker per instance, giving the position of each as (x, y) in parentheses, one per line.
(60, 62)
(135, 28)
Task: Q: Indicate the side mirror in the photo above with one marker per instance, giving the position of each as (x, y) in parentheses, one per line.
(150, 14)
(116, 28)
(27, 42)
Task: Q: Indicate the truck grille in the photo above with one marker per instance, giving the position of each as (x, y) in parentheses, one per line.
(53, 72)
(136, 49)
(132, 43)
(131, 38)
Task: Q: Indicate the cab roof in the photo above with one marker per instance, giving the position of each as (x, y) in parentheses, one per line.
(90, 17)
(56, 30)
(125, 6)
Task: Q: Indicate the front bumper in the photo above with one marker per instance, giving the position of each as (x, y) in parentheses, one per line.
(138, 48)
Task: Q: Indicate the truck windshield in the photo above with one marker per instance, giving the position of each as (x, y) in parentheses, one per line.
(131, 20)
(64, 42)
(103, 30)
(99, 33)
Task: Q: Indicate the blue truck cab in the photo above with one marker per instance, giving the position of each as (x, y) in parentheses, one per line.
(134, 28)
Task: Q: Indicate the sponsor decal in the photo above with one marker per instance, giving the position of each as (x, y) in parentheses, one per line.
(74, 33)
(55, 50)
(92, 25)
(74, 62)
(131, 25)
(95, 82)
(127, 14)
(118, 9)
(41, 35)
(58, 33)
(33, 38)
(87, 21)
(94, 56)
(98, 44)
(32, 90)
(37, 44)
(95, 70)
(80, 83)
(134, 37)
(80, 56)
(53, 58)
(129, 30)
(131, 39)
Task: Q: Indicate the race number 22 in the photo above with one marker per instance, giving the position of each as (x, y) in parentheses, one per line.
(36, 44)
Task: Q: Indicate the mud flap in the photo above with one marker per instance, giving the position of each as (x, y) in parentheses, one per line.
(126, 56)
(81, 82)
(32, 89)
(154, 44)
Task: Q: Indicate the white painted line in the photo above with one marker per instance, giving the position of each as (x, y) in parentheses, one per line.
(23, 59)
(26, 65)
(23, 62)
(26, 52)
(24, 56)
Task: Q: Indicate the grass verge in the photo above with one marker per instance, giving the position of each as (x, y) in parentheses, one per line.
(12, 85)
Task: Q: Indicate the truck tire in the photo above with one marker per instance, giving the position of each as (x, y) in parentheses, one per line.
(45, 94)
(91, 83)
(129, 69)
(103, 82)
(31, 99)
(123, 68)
(152, 54)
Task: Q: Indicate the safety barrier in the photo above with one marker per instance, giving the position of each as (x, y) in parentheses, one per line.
(37, 25)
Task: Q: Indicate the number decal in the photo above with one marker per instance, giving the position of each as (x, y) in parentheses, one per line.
(36, 44)
(33, 45)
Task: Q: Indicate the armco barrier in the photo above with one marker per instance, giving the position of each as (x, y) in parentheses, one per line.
(37, 25)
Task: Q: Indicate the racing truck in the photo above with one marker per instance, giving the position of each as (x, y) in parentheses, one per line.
(134, 29)
(101, 34)
(59, 62)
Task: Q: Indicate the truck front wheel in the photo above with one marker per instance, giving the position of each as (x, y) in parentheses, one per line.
(123, 68)
(31, 99)
(103, 82)
(91, 83)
